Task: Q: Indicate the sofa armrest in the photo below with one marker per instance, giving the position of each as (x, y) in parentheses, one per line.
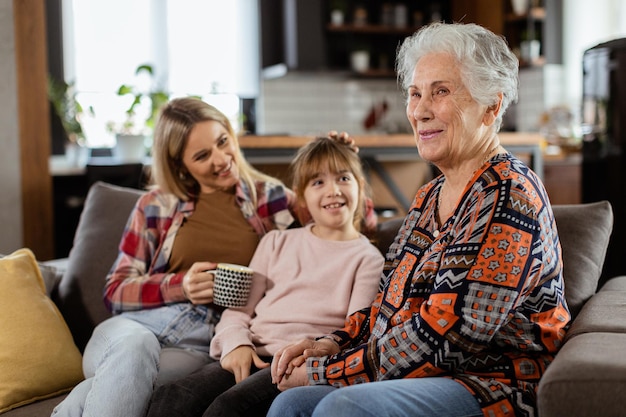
(588, 375)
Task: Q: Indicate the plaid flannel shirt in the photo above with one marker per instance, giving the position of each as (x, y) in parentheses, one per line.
(138, 278)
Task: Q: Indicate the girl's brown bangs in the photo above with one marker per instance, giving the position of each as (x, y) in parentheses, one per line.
(329, 160)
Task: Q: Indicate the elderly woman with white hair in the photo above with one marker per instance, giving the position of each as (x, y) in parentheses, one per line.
(471, 309)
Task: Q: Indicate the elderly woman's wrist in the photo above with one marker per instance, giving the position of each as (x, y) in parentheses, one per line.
(316, 370)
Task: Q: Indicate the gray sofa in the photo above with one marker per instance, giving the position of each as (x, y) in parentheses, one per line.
(586, 379)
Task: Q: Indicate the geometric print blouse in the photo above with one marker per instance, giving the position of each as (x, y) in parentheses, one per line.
(479, 300)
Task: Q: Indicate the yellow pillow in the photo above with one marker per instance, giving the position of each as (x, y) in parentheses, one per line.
(38, 357)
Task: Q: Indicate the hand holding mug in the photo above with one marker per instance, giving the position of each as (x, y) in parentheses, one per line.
(198, 284)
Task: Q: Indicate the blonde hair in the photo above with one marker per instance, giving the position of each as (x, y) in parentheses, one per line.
(176, 120)
(322, 154)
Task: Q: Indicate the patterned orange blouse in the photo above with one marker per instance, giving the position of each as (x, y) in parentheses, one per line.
(480, 300)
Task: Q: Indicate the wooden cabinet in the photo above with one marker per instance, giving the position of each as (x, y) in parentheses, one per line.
(376, 42)
(541, 22)
(323, 34)
(524, 32)
(376, 28)
(562, 178)
(379, 26)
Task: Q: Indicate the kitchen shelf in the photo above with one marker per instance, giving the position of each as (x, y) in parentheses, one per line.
(535, 13)
(375, 73)
(369, 26)
(372, 29)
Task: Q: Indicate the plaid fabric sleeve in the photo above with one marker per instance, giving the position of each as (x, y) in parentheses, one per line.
(137, 279)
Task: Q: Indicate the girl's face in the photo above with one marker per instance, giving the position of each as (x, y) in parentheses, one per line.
(209, 156)
(449, 125)
(332, 199)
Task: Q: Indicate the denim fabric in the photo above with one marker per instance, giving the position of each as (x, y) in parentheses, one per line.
(121, 360)
(417, 397)
(182, 325)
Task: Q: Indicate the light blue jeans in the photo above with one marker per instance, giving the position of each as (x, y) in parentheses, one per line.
(415, 397)
(127, 353)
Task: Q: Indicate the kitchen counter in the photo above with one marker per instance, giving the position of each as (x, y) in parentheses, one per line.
(279, 149)
(376, 149)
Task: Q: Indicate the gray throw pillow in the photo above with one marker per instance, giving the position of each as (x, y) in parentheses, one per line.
(584, 231)
(102, 221)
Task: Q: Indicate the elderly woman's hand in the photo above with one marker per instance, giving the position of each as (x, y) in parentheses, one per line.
(297, 378)
(294, 355)
(198, 283)
(343, 137)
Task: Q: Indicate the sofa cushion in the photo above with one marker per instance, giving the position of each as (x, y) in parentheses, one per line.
(38, 358)
(584, 231)
(386, 233)
(586, 378)
(95, 248)
(604, 312)
(614, 284)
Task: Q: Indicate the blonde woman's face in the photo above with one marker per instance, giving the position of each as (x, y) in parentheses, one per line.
(209, 157)
(447, 122)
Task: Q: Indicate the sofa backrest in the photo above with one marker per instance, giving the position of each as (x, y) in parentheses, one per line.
(95, 248)
(584, 230)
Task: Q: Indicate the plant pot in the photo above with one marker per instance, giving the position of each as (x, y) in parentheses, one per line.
(76, 155)
(130, 148)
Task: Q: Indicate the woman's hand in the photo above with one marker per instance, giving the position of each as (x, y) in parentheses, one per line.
(345, 138)
(294, 355)
(198, 284)
(240, 360)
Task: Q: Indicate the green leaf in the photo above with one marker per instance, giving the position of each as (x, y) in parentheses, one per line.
(124, 89)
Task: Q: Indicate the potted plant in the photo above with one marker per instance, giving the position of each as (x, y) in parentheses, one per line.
(62, 97)
(131, 133)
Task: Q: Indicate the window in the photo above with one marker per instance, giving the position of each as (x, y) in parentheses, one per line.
(207, 48)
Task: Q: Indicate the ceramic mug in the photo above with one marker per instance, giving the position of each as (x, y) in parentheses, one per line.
(231, 286)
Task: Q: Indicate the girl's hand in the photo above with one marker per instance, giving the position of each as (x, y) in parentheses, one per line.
(198, 284)
(240, 360)
(294, 355)
(345, 138)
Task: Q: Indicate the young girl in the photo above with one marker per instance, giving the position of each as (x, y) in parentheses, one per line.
(306, 281)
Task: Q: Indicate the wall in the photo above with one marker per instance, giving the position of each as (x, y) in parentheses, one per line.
(10, 203)
(313, 103)
(586, 24)
(26, 210)
(541, 88)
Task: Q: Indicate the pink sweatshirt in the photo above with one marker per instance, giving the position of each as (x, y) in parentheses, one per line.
(303, 286)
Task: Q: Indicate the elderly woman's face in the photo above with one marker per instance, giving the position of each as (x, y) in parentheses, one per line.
(447, 122)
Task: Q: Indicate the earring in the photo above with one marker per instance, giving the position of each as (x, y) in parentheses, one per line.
(182, 176)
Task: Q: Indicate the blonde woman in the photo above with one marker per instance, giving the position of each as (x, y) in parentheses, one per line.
(207, 205)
